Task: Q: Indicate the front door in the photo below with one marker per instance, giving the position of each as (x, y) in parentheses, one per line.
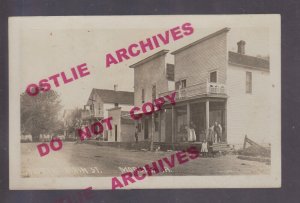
(146, 129)
(116, 133)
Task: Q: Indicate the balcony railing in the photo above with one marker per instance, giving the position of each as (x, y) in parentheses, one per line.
(197, 90)
(87, 114)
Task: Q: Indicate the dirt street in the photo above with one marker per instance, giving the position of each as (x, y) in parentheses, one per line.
(84, 160)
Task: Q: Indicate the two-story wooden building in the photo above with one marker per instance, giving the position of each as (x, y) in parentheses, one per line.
(152, 76)
(212, 85)
(103, 101)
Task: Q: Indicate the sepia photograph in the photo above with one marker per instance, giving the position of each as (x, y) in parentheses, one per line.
(140, 102)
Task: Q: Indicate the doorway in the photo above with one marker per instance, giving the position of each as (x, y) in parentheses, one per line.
(146, 135)
(116, 133)
(198, 118)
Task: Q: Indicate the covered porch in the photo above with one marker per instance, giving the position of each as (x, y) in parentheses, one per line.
(201, 113)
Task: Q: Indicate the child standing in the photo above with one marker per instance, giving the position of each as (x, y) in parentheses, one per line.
(204, 149)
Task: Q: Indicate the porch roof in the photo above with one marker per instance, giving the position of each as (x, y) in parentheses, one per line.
(139, 112)
(199, 98)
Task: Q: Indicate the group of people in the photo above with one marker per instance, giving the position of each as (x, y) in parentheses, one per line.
(191, 134)
(215, 133)
(214, 136)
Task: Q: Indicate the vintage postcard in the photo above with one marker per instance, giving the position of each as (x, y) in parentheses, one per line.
(140, 102)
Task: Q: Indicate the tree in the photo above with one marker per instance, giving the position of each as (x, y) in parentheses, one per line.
(72, 120)
(39, 114)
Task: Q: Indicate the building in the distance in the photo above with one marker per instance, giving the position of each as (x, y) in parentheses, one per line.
(98, 105)
(123, 127)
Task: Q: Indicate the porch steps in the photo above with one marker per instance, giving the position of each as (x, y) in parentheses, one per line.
(217, 147)
(175, 146)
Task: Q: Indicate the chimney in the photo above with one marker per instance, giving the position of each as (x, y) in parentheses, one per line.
(241, 47)
(116, 87)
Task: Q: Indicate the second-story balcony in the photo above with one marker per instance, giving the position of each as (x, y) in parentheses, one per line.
(88, 114)
(200, 89)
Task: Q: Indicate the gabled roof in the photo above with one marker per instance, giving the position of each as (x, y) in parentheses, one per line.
(226, 29)
(248, 61)
(111, 96)
(157, 54)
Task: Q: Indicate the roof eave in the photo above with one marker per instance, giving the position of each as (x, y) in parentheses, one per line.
(149, 58)
(267, 69)
(226, 29)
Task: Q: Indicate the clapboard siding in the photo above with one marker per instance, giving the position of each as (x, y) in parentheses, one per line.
(148, 74)
(248, 113)
(195, 62)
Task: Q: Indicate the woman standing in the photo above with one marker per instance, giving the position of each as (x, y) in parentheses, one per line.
(192, 130)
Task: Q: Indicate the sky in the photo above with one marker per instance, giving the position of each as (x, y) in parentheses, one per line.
(44, 46)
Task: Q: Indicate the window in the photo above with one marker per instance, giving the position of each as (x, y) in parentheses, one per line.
(92, 107)
(248, 82)
(183, 83)
(99, 109)
(180, 84)
(143, 96)
(153, 92)
(213, 76)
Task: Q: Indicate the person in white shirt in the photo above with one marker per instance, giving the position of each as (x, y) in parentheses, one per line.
(193, 133)
(204, 149)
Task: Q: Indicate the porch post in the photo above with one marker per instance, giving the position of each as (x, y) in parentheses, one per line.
(152, 131)
(225, 122)
(207, 114)
(159, 126)
(173, 127)
(188, 115)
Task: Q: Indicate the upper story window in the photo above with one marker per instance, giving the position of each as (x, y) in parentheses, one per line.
(92, 107)
(183, 83)
(153, 92)
(180, 84)
(99, 108)
(143, 95)
(248, 82)
(213, 77)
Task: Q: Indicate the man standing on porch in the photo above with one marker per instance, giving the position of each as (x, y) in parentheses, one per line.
(218, 131)
(210, 139)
